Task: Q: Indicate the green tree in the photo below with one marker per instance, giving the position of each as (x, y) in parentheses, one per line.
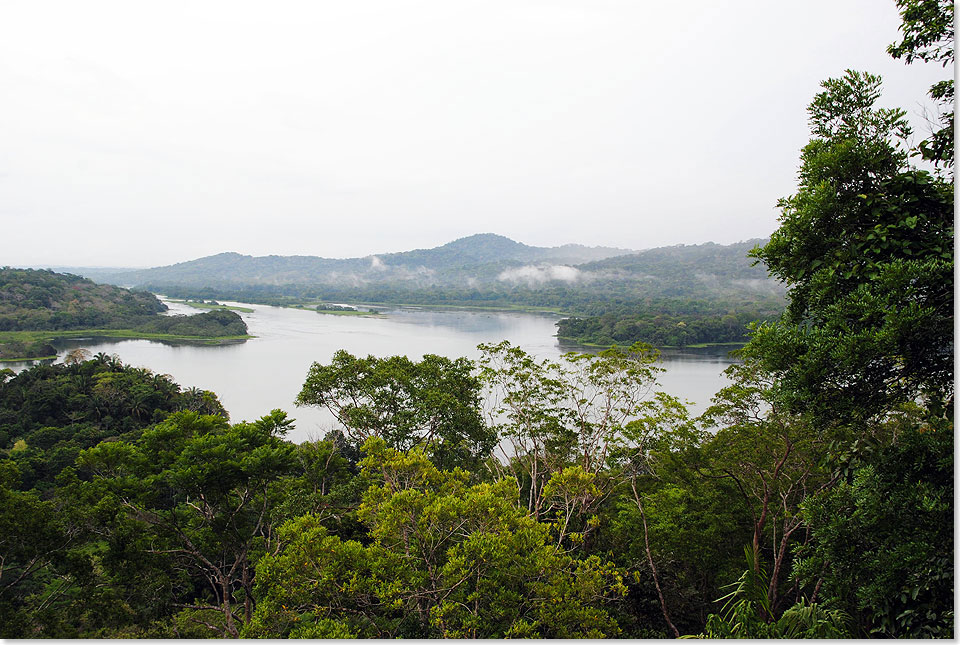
(927, 28)
(31, 542)
(568, 413)
(866, 248)
(433, 403)
(201, 488)
(445, 559)
(882, 540)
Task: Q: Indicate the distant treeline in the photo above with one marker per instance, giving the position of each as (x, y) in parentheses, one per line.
(667, 324)
(578, 301)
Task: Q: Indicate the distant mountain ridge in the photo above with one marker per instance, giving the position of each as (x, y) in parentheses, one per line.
(446, 264)
(479, 270)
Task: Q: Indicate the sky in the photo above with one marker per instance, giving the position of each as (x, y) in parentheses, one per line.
(147, 133)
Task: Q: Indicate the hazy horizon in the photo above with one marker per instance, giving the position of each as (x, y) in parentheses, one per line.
(381, 253)
(147, 134)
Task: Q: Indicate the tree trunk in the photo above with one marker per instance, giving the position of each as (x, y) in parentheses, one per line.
(653, 568)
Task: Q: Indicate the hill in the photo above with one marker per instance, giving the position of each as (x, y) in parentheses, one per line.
(39, 299)
(480, 270)
(460, 262)
(37, 306)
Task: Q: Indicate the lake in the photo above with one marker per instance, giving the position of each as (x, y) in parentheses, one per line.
(253, 377)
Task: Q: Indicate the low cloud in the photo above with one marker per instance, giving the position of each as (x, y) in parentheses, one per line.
(763, 286)
(534, 275)
(376, 264)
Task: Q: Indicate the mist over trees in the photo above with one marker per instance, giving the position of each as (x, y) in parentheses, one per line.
(514, 496)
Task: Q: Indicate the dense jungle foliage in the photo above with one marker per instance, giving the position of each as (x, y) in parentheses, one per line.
(669, 323)
(512, 496)
(44, 301)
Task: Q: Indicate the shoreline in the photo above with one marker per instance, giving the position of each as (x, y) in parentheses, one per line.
(51, 336)
(574, 341)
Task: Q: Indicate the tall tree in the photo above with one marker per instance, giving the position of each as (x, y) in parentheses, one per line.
(866, 248)
(927, 28)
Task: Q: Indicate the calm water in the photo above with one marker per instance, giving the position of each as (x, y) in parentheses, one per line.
(253, 377)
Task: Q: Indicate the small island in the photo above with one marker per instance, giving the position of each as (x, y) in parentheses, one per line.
(200, 303)
(38, 307)
(343, 310)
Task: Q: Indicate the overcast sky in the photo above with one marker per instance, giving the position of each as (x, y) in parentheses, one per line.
(147, 133)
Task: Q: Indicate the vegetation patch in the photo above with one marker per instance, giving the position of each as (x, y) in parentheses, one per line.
(212, 304)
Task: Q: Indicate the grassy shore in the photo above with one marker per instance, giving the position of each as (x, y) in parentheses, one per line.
(334, 312)
(31, 337)
(206, 305)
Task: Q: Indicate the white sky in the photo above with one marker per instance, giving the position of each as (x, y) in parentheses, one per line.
(147, 133)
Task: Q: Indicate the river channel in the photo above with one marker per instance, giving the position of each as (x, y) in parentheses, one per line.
(253, 377)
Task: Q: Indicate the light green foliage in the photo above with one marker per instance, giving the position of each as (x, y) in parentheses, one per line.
(446, 559)
(571, 412)
(433, 403)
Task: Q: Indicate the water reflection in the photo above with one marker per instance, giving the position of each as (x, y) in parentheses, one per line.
(268, 371)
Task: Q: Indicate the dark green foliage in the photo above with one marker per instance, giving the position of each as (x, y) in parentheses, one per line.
(59, 410)
(866, 247)
(746, 613)
(671, 323)
(927, 30)
(203, 491)
(31, 300)
(212, 324)
(27, 350)
(46, 301)
(433, 403)
(130, 508)
(883, 539)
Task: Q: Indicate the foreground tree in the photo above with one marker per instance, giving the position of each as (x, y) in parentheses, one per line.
(927, 29)
(446, 559)
(881, 545)
(202, 490)
(866, 249)
(434, 403)
(553, 415)
(864, 356)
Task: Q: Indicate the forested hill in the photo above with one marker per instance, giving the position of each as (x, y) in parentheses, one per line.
(714, 260)
(462, 261)
(38, 299)
(478, 270)
(36, 303)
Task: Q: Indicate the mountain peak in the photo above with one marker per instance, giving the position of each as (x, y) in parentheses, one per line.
(487, 239)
